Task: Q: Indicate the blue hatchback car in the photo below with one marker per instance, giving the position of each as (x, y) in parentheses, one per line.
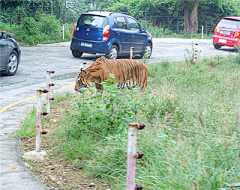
(110, 33)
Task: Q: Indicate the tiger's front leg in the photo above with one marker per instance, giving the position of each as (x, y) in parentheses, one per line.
(99, 87)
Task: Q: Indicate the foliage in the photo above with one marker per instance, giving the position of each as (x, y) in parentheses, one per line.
(46, 30)
(10, 3)
(105, 112)
(28, 128)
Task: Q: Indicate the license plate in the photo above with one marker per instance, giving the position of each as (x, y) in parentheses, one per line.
(222, 41)
(225, 32)
(84, 44)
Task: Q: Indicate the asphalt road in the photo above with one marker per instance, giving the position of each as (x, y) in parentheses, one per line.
(36, 60)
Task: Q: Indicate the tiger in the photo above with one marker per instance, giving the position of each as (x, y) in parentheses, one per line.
(128, 73)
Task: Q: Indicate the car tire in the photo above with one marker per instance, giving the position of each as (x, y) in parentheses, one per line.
(76, 53)
(147, 50)
(12, 64)
(113, 52)
(217, 46)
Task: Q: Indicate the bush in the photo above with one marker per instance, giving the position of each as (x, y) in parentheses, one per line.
(105, 113)
(30, 27)
(47, 29)
(50, 26)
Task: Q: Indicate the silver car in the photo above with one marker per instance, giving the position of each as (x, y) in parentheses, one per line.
(10, 55)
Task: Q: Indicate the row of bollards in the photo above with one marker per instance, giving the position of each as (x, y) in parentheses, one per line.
(133, 155)
(39, 154)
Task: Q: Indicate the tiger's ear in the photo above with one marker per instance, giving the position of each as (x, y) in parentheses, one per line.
(87, 74)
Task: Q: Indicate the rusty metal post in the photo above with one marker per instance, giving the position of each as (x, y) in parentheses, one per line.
(38, 120)
(195, 53)
(131, 52)
(48, 93)
(132, 154)
(48, 84)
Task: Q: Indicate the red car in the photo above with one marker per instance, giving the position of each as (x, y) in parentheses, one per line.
(227, 33)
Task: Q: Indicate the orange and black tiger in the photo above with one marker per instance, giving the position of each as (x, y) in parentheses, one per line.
(128, 73)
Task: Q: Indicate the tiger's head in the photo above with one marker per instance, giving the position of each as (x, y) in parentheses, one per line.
(84, 79)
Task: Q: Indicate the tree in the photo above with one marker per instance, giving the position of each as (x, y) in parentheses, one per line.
(10, 3)
(192, 11)
(191, 18)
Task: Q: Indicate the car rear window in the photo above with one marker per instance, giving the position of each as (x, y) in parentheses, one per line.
(228, 23)
(92, 21)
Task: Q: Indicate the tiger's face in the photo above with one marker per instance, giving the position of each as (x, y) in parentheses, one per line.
(84, 80)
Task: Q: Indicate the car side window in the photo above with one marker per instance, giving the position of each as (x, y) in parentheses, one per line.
(134, 26)
(119, 22)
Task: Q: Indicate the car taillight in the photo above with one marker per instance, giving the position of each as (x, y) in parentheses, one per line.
(217, 30)
(106, 33)
(74, 30)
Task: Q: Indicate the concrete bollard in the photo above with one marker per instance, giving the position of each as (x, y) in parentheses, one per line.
(37, 154)
(131, 52)
(38, 121)
(133, 155)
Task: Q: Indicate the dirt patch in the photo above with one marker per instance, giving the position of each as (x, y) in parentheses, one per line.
(54, 171)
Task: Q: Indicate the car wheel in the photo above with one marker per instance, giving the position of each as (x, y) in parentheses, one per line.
(217, 46)
(12, 65)
(113, 52)
(76, 53)
(147, 51)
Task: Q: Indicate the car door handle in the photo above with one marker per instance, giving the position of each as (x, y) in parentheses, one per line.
(118, 33)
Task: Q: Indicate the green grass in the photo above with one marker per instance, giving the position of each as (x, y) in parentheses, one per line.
(191, 139)
(28, 128)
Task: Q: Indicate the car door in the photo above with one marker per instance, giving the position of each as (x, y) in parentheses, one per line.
(138, 38)
(3, 53)
(122, 33)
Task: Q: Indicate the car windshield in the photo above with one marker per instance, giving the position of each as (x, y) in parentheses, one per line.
(230, 24)
(93, 21)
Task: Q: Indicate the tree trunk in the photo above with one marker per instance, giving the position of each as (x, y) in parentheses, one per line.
(194, 17)
(191, 19)
(187, 21)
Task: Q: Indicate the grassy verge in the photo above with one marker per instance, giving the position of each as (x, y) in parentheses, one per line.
(191, 140)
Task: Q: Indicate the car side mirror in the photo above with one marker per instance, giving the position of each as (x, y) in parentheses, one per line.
(4, 35)
(143, 30)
